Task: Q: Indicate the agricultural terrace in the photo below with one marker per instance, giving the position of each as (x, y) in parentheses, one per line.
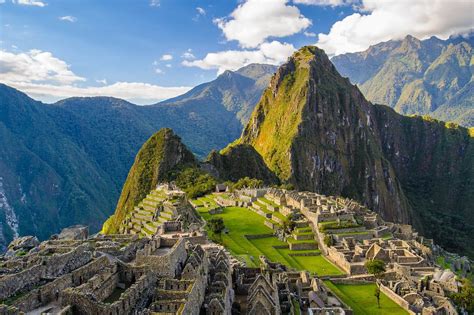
(241, 223)
(360, 297)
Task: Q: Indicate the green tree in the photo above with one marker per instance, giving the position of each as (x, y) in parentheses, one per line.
(376, 267)
(216, 226)
(465, 297)
(288, 224)
(248, 182)
(195, 182)
(328, 240)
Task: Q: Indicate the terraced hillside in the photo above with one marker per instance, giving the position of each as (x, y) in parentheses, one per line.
(145, 219)
(250, 230)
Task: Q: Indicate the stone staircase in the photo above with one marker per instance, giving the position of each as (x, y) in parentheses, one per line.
(148, 215)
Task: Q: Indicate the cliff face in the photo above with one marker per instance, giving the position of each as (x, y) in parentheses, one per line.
(434, 162)
(160, 154)
(317, 131)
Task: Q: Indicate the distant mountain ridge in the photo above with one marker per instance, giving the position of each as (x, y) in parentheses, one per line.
(425, 77)
(238, 91)
(65, 163)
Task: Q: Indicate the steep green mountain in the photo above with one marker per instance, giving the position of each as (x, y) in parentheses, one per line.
(161, 154)
(432, 76)
(434, 162)
(65, 163)
(47, 180)
(316, 131)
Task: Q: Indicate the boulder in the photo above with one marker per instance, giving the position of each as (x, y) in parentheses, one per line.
(76, 232)
(24, 243)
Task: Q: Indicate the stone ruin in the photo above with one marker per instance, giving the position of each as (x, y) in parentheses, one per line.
(413, 279)
(177, 270)
(116, 274)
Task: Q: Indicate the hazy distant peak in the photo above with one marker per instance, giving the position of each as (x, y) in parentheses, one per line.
(257, 70)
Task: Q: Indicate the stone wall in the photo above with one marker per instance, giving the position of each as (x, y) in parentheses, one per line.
(167, 264)
(303, 246)
(22, 281)
(43, 295)
(130, 301)
(396, 298)
(258, 236)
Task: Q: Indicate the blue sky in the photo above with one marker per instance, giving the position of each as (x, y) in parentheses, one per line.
(144, 50)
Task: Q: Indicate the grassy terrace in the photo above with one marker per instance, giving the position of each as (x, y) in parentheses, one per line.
(360, 297)
(267, 201)
(242, 221)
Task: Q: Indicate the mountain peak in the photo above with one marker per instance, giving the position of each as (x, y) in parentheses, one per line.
(301, 126)
(256, 71)
(162, 153)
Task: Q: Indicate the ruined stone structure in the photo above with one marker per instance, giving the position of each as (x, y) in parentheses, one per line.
(350, 235)
(176, 269)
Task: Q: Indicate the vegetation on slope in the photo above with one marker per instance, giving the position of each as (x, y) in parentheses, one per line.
(194, 182)
(47, 178)
(278, 114)
(312, 129)
(238, 161)
(155, 161)
(434, 162)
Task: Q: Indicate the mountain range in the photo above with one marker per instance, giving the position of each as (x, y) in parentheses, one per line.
(65, 163)
(425, 77)
(312, 129)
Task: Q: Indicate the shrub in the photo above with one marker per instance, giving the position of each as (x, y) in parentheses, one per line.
(328, 240)
(248, 182)
(195, 182)
(337, 225)
(216, 225)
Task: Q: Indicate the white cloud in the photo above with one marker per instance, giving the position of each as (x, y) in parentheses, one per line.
(331, 3)
(270, 53)
(310, 34)
(201, 11)
(48, 78)
(168, 65)
(253, 21)
(154, 3)
(158, 71)
(30, 2)
(68, 18)
(380, 21)
(166, 57)
(35, 66)
(188, 55)
(135, 92)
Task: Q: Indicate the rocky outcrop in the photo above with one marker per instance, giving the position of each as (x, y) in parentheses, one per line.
(161, 154)
(22, 245)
